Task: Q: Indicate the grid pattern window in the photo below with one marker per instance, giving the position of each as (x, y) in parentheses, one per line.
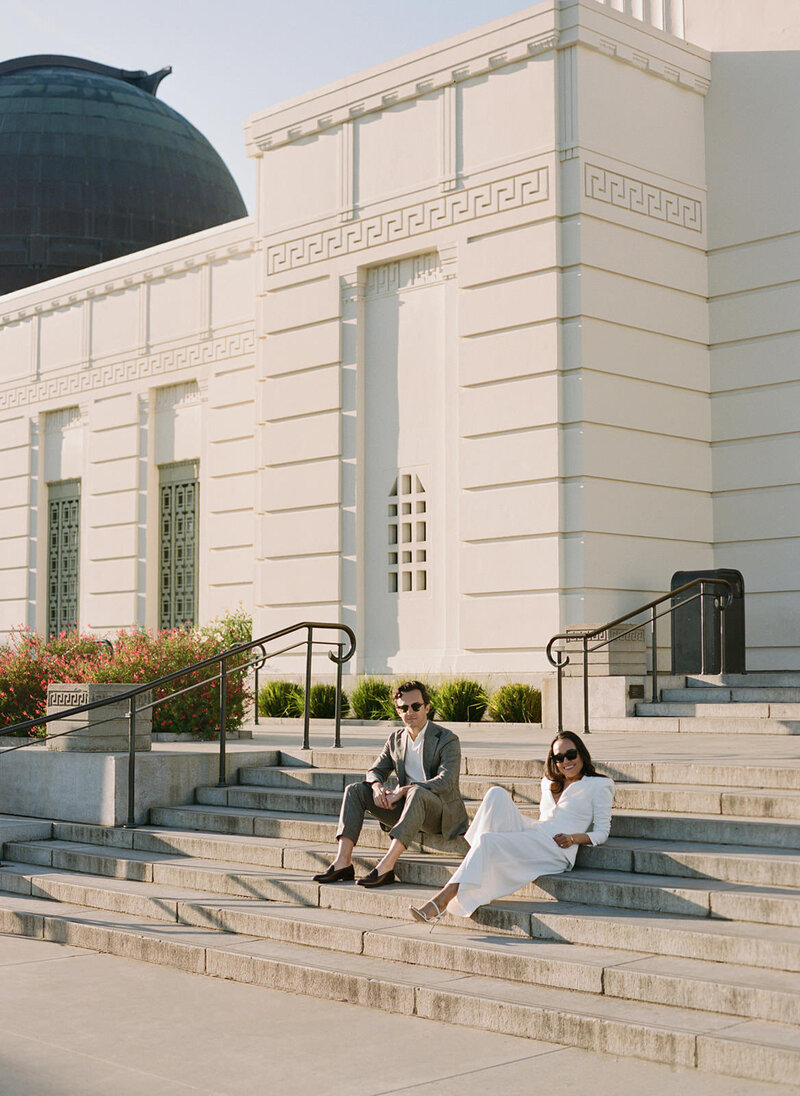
(408, 535)
(63, 555)
(178, 510)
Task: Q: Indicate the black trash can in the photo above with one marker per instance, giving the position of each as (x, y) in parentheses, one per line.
(695, 648)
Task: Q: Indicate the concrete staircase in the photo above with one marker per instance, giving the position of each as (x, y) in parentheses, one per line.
(755, 703)
(678, 941)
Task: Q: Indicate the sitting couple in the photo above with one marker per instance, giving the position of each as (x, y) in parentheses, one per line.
(507, 849)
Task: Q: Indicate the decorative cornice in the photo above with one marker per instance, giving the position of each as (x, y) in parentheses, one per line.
(66, 299)
(643, 59)
(638, 196)
(67, 386)
(403, 93)
(498, 196)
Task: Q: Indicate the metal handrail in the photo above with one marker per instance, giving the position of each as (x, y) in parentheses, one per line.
(586, 636)
(339, 657)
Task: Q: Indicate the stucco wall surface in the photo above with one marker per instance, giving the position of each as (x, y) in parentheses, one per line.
(509, 340)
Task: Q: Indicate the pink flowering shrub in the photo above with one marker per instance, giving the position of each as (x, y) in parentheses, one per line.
(29, 663)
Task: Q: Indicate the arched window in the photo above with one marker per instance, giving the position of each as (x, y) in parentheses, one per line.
(408, 535)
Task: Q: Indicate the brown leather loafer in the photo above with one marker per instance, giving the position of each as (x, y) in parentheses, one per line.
(335, 875)
(375, 880)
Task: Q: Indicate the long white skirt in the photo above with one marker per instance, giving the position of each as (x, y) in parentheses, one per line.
(507, 850)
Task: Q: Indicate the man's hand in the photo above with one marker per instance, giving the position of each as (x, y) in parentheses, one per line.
(380, 796)
(395, 796)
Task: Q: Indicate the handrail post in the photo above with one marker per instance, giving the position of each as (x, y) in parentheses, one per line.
(654, 644)
(223, 699)
(255, 719)
(702, 629)
(337, 729)
(131, 764)
(560, 701)
(307, 702)
(586, 683)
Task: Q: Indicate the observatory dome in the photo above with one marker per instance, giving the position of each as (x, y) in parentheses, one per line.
(93, 166)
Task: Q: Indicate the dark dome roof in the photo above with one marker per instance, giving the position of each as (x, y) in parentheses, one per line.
(93, 166)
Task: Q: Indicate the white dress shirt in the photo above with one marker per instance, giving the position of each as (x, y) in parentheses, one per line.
(415, 771)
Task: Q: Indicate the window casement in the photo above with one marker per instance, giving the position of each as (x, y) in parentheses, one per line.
(408, 535)
(177, 549)
(63, 555)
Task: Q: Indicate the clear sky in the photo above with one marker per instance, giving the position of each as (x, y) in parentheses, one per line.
(232, 58)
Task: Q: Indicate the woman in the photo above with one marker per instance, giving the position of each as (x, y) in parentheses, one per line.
(508, 850)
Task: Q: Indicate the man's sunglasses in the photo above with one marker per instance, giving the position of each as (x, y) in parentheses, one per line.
(415, 707)
(570, 755)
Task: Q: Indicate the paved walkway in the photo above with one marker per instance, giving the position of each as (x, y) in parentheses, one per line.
(75, 1023)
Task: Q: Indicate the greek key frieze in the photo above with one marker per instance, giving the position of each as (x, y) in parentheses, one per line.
(443, 211)
(638, 196)
(129, 370)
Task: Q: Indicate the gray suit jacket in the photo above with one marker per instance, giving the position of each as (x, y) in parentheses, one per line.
(441, 760)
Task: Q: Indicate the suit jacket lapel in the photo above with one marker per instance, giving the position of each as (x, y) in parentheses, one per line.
(429, 750)
(400, 756)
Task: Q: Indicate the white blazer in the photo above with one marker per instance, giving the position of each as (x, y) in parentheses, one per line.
(583, 807)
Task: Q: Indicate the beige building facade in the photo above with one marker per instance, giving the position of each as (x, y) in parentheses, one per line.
(510, 338)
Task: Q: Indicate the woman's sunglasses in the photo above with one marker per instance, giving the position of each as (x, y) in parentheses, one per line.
(569, 755)
(415, 707)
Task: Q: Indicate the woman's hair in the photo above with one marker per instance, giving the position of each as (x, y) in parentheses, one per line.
(552, 771)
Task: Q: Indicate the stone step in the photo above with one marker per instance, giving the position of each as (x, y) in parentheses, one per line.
(690, 983)
(739, 864)
(768, 946)
(685, 827)
(695, 725)
(739, 942)
(518, 775)
(687, 709)
(776, 905)
(758, 1049)
(724, 695)
(742, 802)
(703, 828)
(502, 769)
(760, 679)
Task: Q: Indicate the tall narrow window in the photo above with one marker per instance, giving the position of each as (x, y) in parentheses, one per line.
(178, 488)
(408, 535)
(63, 555)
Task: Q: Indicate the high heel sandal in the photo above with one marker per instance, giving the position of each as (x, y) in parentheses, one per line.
(418, 915)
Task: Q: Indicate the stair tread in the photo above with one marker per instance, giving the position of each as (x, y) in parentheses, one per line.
(580, 1003)
(617, 878)
(625, 787)
(464, 939)
(650, 844)
(309, 816)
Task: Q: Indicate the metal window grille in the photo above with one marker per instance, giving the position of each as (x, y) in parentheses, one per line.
(178, 489)
(408, 535)
(63, 555)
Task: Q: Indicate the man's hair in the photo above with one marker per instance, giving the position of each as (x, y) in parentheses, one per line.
(408, 687)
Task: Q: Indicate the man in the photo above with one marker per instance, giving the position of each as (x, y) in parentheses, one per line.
(426, 759)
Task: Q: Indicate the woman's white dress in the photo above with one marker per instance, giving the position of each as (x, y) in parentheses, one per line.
(508, 850)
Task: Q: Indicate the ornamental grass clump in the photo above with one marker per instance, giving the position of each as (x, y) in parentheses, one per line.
(322, 702)
(372, 699)
(280, 699)
(460, 701)
(516, 703)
